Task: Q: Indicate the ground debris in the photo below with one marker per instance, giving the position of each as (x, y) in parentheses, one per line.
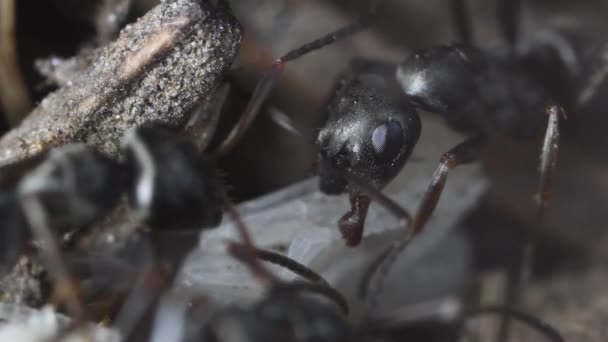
(575, 303)
(156, 71)
(27, 284)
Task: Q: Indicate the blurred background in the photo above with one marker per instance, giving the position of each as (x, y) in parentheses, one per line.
(573, 239)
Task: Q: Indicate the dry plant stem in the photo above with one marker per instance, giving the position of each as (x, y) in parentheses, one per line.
(14, 96)
(156, 71)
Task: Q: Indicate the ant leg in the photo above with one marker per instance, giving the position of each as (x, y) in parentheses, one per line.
(462, 20)
(270, 78)
(532, 321)
(594, 79)
(247, 251)
(463, 153)
(203, 123)
(509, 15)
(65, 286)
(548, 161)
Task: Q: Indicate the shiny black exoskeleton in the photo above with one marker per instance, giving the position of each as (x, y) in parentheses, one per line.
(168, 182)
(371, 131)
(475, 91)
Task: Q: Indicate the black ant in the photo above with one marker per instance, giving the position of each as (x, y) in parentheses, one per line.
(168, 183)
(373, 121)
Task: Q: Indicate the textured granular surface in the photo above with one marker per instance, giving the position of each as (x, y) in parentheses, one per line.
(156, 71)
(576, 304)
(26, 284)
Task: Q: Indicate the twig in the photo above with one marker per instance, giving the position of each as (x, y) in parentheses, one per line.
(156, 71)
(14, 95)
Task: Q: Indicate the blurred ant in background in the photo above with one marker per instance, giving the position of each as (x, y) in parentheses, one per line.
(169, 185)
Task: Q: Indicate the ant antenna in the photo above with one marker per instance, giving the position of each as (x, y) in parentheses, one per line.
(251, 256)
(319, 285)
(532, 321)
(290, 264)
(270, 78)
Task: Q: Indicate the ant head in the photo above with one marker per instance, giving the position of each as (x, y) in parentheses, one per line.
(75, 184)
(370, 133)
(172, 185)
(440, 79)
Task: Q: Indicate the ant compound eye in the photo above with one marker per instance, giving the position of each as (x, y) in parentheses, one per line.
(387, 140)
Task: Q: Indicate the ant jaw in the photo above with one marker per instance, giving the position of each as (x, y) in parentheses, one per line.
(353, 222)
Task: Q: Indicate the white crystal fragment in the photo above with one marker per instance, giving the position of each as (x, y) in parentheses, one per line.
(23, 324)
(301, 221)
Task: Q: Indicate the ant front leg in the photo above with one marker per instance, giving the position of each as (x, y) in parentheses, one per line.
(548, 161)
(594, 78)
(464, 153)
(352, 223)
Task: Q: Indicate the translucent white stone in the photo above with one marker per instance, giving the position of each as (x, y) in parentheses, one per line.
(302, 221)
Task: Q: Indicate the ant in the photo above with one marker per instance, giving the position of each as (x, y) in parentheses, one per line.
(373, 116)
(167, 181)
(169, 185)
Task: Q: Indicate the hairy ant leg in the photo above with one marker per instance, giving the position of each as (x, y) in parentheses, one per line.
(548, 160)
(351, 224)
(203, 123)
